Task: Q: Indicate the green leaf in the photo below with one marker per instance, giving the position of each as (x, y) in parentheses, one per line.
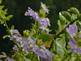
(4, 15)
(19, 56)
(57, 58)
(60, 45)
(26, 59)
(60, 27)
(62, 18)
(8, 17)
(32, 56)
(42, 13)
(74, 11)
(0, 1)
(67, 15)
(1, 7)
(74, 17)
(44, 37)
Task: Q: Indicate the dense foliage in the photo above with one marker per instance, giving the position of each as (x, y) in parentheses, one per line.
(39, 43)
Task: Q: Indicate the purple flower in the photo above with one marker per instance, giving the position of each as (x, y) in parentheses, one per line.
(72, 30)
(32, 13)
(25, 46)
(28, 44)
(43, 53)
(79, 50)
(44, 22)
(40, 52)
(49, 56)
(25, 43)
(74, 46)
(15, 31)
(10, 59)
(15, 48)
(72, 43)
(15, 35)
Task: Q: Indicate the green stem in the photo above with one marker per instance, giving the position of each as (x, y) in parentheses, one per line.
(5, 24)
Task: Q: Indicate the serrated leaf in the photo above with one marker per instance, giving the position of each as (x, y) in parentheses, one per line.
(3, 15)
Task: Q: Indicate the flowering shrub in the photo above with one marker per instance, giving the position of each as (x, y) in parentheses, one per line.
(38, 44)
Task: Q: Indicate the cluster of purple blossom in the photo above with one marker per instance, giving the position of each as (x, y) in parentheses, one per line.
(28, 44)
(73, 30)
(44, 22)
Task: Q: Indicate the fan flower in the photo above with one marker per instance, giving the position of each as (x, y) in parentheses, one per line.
(15, 35)
(44, 22)
(32, 13)
(28, 44)
(72, 30)
(74, 46)
(25, 43)
(43, 53)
